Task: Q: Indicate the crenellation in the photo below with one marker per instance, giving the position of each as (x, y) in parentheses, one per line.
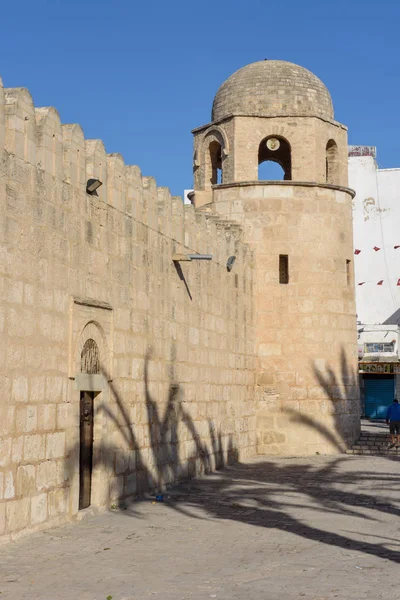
(150, 201)
(74, 155)
(20, 124)
(164, 210)
(49, 142)
(134, 192)
(116, 182)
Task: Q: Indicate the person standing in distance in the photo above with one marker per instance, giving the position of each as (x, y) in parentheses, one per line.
(393, 420)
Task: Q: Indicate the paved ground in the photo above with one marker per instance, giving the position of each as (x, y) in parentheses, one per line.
(312, 529)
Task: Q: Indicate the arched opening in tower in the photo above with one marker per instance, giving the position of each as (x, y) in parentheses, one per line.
(274, 159)
(332, 163)
(215, 158)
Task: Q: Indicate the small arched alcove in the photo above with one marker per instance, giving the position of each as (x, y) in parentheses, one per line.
(332, 163)
(274, 159)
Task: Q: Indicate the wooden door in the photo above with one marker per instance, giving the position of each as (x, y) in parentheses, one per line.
(85, 449)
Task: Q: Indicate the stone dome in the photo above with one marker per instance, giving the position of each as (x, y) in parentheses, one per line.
(272, 88)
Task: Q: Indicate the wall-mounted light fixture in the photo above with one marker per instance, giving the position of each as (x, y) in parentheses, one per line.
(230, 262)
(92, 185)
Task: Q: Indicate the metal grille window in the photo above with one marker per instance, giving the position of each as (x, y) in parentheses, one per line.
(90, 359)
(378, 347)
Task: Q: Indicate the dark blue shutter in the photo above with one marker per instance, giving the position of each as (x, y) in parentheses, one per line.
(379, 394)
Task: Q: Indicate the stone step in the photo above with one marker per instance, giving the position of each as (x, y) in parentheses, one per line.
(376, 443)
(379, 451)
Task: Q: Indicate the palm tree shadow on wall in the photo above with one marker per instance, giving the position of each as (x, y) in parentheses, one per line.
(132, 468)
(341, 391)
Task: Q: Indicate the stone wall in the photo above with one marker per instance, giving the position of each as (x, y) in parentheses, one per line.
(174, 393)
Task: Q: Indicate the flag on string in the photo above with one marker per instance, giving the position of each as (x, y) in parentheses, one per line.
(380, 282)
(357, 251)
(362, 283)
(376, 248)
(395, 247)
(398, 282)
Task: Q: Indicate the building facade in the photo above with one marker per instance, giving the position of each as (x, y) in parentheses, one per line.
(376, 214)
(127, 363)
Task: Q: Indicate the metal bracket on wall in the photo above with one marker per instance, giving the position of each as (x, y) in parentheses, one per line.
(190, 257)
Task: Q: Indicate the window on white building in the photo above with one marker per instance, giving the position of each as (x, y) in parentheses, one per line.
(379, 347)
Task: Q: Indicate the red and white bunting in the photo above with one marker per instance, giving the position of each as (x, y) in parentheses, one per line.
(380, 282)
(376, 248)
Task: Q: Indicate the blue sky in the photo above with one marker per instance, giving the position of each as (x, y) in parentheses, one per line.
(141, 75)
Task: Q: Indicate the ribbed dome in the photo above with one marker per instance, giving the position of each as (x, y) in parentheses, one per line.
(272, 88)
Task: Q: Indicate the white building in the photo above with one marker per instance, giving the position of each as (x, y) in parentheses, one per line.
(376, 222)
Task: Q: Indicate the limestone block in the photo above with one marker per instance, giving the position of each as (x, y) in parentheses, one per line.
(65, 416)
(55, 445)
(39, 509)
(55, 388)
(26, 419)
(56, 502)
(17, 447)
(2, 517)
(18, 514)
(26, 481)
(20, 389)
(9, 489)
(6, 419)
(47, 416)
(34, 446)
(5, 451)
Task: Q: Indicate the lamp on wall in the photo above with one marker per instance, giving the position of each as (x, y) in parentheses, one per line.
(230, 263)
(92, 185)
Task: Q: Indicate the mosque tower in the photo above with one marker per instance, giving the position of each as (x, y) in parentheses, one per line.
(300, 231)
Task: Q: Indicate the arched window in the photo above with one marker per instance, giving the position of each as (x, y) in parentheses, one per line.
(215, 157)
(90, 358)
(332, 163)
(274, 159)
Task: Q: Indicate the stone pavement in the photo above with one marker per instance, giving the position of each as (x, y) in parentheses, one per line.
(306, 528)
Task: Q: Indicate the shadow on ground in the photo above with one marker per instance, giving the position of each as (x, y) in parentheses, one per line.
(267, 493)
(275, 493)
